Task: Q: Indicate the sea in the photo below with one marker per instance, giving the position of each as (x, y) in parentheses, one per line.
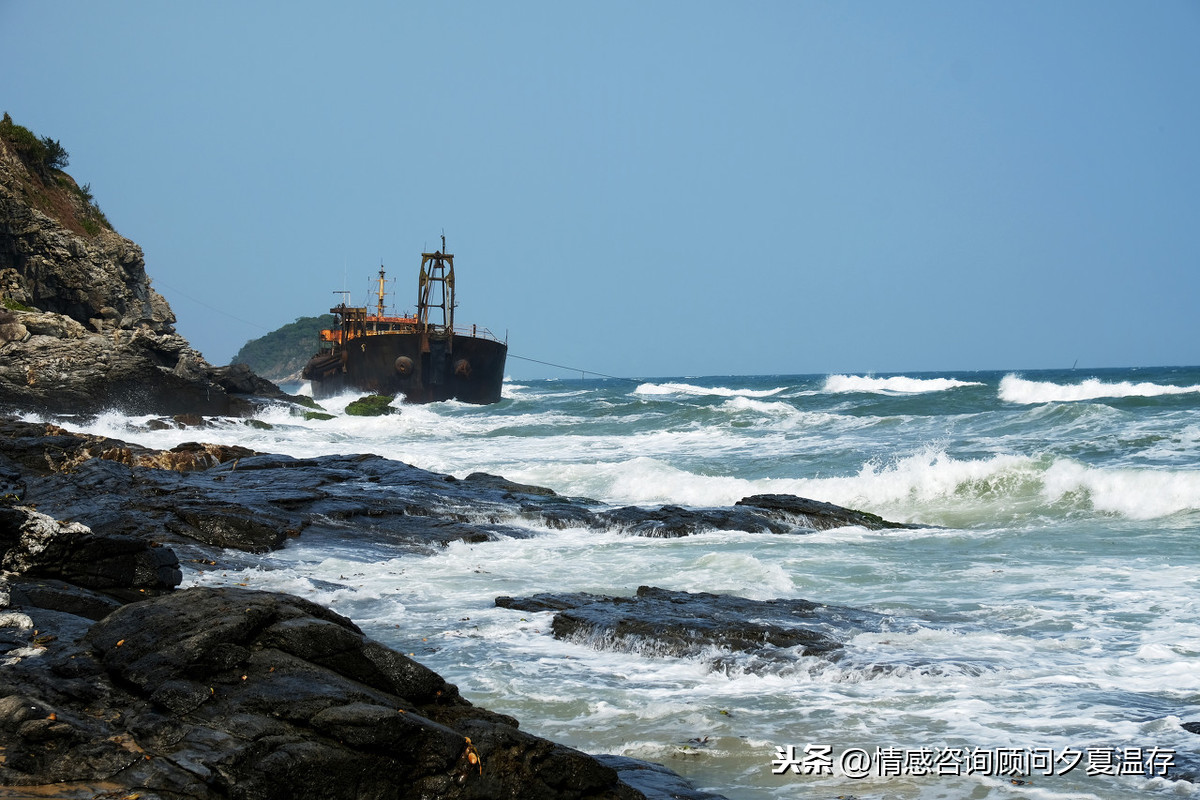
(1041, 632)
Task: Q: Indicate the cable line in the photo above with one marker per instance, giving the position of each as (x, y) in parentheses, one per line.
(210, 308)
(573, 369)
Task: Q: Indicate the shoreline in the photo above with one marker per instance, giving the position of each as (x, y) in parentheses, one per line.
(91, 578)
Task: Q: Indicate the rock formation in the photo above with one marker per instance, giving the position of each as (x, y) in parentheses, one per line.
(661, 622)
(81, 328)
(113, 682)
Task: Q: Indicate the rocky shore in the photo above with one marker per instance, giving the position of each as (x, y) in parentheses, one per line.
(115, 680)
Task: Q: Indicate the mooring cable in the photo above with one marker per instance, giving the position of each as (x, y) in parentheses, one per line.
(573, 369)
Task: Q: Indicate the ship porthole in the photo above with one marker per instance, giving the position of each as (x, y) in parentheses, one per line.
(404, 366)
(462, 368)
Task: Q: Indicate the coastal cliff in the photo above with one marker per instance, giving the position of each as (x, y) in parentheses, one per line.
(81, 328)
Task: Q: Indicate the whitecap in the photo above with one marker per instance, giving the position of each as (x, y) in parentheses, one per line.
(654, 389)
(1131, 493)
(898, 384)
(1015, 389)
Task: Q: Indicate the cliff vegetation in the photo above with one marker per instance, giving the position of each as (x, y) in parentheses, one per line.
(43, 185)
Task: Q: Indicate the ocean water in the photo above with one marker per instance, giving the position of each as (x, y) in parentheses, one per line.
(1042, 634)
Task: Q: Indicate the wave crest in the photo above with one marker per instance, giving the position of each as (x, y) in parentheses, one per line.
(654, 389)
(897, 384)
(1014, 389)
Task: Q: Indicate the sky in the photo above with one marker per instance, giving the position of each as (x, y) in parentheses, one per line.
(652, 189)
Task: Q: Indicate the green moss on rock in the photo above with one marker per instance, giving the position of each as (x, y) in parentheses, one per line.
(307, 402)
(375, 405)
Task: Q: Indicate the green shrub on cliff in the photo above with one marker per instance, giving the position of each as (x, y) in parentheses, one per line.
(55, 155)
(47, 188)
(44, 154)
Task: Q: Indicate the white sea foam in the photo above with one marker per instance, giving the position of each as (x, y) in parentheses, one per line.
(842, 384)
(649, 466)
(1131, 493)
(974, 682)
(656, 389)
(929, 486)
(769, 407)
(1015, 389)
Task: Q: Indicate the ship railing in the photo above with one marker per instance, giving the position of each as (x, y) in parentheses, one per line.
(478, 331)
(334, 336)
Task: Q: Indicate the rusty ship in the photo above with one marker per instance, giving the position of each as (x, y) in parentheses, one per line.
(423, 357)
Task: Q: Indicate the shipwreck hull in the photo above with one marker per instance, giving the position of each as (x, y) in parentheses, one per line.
(463, 368)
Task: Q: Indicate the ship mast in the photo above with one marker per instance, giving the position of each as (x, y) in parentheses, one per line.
(381, 283)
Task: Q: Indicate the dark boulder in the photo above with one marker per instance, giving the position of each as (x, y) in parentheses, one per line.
(675, 521)
(217, 693)
(815, 514)
(670, 623)
(655, 780)
(37, 546)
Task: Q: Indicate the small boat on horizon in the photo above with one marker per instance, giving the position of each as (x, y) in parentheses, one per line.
(423, 357)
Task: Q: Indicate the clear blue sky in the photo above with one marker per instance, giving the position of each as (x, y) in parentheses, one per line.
(653, 188)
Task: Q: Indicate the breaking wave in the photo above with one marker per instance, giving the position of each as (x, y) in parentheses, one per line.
(653, 389)
(928, 487)
(899, 384)
(1014, 389)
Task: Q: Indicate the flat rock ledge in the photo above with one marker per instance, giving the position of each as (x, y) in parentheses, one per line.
(727, 630)
(231, 497)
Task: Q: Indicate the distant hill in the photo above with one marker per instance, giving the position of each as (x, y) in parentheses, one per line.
(281, 354)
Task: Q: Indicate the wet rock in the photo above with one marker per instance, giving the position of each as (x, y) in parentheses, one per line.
(815, 514)
(231, 497)
(212, 693)
(510, 488)
(670, 623)
(40, 546)
(655, 780)
(675, 521)
(374, 405)
(56, 595)
(773, 513)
